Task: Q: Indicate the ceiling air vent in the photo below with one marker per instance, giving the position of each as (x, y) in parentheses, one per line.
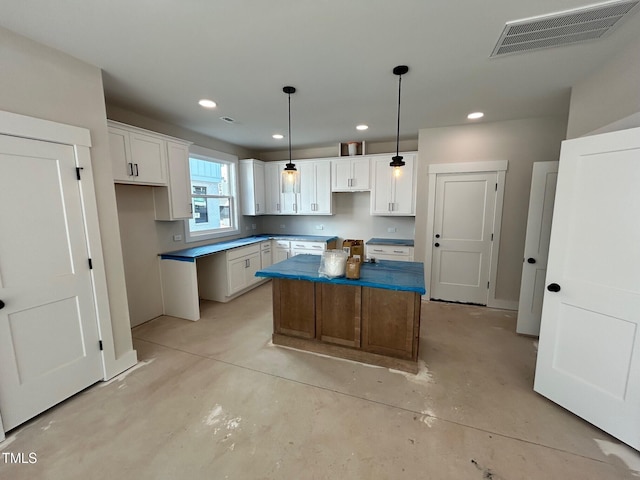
(562, 28)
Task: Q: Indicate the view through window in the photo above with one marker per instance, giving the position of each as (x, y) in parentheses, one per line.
(212, 195)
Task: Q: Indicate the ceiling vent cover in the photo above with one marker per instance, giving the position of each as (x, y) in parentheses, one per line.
(562, 28)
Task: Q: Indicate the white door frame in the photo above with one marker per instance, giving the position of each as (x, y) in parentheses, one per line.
(498, 166)
(80, 138)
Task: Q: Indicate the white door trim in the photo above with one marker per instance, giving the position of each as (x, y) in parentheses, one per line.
(80, 138)
(498, 166)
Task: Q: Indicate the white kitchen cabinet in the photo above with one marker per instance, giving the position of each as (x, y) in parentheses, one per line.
(281, 250)
(393, 195)
(137, 156)
(315, 187)
(389, 252)
(278, 203)
(351, 174)
(252, 187)
(225, 275)
(307, 247)
(173, 202)
(265, 254)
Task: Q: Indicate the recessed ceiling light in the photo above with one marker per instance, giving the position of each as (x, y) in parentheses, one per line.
(278, 136)
(207, 103)
(362, 127)
(475, 115)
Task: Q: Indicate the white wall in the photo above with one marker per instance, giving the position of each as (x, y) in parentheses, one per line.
(609, 94)
(41, 82)
(521, 142)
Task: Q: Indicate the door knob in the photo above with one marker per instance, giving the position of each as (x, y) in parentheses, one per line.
(1, 304)
(553, 287)
(531, 260)
(436, 244)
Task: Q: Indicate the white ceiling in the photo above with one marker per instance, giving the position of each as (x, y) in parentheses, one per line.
(160, 57)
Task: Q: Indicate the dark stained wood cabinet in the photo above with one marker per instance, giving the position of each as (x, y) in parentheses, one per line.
(338, 314)
(390, 323)
(294, 308)
(370, 325)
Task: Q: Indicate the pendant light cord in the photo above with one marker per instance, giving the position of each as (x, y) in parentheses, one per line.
(289, 95)
(398, 128)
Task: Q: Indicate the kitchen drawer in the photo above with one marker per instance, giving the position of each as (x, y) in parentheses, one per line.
(281, 244)
(318, 246)
(266, 245)
(243, 251)
(390, 252)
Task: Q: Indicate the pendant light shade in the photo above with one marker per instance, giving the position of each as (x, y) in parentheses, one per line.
(397, 162)
(290, 177)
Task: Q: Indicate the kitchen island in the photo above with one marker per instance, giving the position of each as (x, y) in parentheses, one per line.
(375, 319)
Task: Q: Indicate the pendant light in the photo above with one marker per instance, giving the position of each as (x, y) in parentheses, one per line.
(290, 177)
(397, 162)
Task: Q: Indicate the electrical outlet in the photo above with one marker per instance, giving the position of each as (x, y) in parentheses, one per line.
(253, 226)
(177, 238)
(282, 226)
(319, 227)
(392, 229)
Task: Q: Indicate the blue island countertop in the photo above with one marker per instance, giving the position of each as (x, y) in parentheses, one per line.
(386, 274)
(190, 254)
(404, 242)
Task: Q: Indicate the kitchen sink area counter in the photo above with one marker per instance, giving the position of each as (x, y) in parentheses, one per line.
(375, 319)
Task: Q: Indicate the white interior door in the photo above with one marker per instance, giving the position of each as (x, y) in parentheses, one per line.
(463, 234)
(589, 349)
(49, 342)
(536, 246)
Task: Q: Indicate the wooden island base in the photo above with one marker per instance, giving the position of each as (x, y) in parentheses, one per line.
(364, 324)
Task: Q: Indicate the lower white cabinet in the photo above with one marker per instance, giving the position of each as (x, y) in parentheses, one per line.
(389, 252)
(265, 254)
(281, 250)
(313, 248)
(223, 276)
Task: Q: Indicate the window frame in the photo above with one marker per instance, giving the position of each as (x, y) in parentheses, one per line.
(206, 154)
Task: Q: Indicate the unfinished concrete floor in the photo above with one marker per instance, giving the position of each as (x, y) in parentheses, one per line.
(214, 399)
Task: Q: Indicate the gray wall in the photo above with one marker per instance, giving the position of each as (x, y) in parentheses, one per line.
(521, 142)
(609, 94)
(44, 83)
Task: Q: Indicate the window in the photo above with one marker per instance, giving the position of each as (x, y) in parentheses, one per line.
(213, 197)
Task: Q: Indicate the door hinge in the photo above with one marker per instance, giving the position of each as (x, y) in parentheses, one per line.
(100, 344)
(90, 265)
(78, 172)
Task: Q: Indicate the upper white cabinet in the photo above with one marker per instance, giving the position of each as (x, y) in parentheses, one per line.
(278, 203)
(393, 195)
(173, 202)
(141, 157)
(351, 174)
(315, 187)
(252, 187)
(137, 156)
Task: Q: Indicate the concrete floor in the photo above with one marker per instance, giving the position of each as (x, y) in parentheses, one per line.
(214, 399)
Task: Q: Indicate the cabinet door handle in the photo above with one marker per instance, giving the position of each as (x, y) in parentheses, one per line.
(351, 182)
(137, 173)
(317, 246)
(257, 207)
(295, 207)
(191, 208)
(398, 251)
(277, 206)
(247, 263)
(130, 165)
(377, 250)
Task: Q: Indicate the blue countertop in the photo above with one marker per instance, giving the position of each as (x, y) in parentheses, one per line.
(386, 274)
(391, 241)
(190, 254)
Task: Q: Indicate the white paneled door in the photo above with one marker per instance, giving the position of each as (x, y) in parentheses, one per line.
(589, 349)
(463, 235)
(536, 246)
(49, 342)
